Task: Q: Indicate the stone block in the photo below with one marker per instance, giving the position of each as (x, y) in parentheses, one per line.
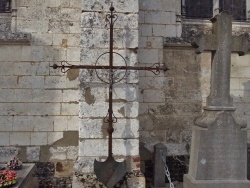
(59, 26)
(75, 27)
(125, 92)
(73, 40)
(28, 13)
(5, 139)
(239, 61)
(73, 54)
(32, 26)
(55, 82)
(141, 17)
(243, 71)
(95, 128)
(24, 69)
(41, 68)
(170, 31)
(52, 96)
(20, 139)
(35, 82)
(33, 154)
(52, 53)
(100, 109)
(143, 108)
(148, 56)
(128, 147)
(6, 153)
(40, 39)
(129, 6)
(7, 95)
(70, 96)
(161, 30)
(158, 18)
(37, 53)
(53, 13)
(158, 5)
(26, 3)
(5, 70)
(156, 96)
(92, 20)
(146, 123)
(84, 165)
(6, 123)
(70, 109)
(156, 83)
(244, 84)
(58, 153)
(30, 109)
(39, 138)
(7, 50)
(70, 14)
(151, 42)
(23, 124)
(54, 3)
(73, 123)
(235, 83)
(99, 38)
(146, 30)
(72, 153)
(54, 136)
(60, 123)
(88, 57)
(8, 82)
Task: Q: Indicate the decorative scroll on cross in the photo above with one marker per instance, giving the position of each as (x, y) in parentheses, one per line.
(110, 171)
(221, 43)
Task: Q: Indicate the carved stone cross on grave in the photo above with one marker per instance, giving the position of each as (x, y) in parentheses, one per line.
(218, 157)
(221, 43)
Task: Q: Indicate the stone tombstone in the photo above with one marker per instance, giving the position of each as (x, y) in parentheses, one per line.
(219, 143)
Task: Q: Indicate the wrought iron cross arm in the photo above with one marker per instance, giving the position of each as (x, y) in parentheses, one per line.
(156, 68)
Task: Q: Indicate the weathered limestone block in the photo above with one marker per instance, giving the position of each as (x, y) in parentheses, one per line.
(33, 154)
(7, 152)
(120, 5)
(158, 5)
(99, 109)
(95, 128)
(97, 20)
(99, 38)
(121, 147)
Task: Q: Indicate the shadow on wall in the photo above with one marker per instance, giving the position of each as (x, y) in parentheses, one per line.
(183, 86)
(35, 101)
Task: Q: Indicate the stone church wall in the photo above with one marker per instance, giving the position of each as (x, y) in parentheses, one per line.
(39, 106)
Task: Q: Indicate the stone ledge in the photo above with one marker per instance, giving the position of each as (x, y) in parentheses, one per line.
(15, 38)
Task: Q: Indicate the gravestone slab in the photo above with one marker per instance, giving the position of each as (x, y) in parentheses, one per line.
(219, 144)
(25, 178)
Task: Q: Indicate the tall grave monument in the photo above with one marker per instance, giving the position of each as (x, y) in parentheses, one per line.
(219, 144)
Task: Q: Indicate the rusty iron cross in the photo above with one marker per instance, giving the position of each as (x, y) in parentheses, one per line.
(114, 171)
